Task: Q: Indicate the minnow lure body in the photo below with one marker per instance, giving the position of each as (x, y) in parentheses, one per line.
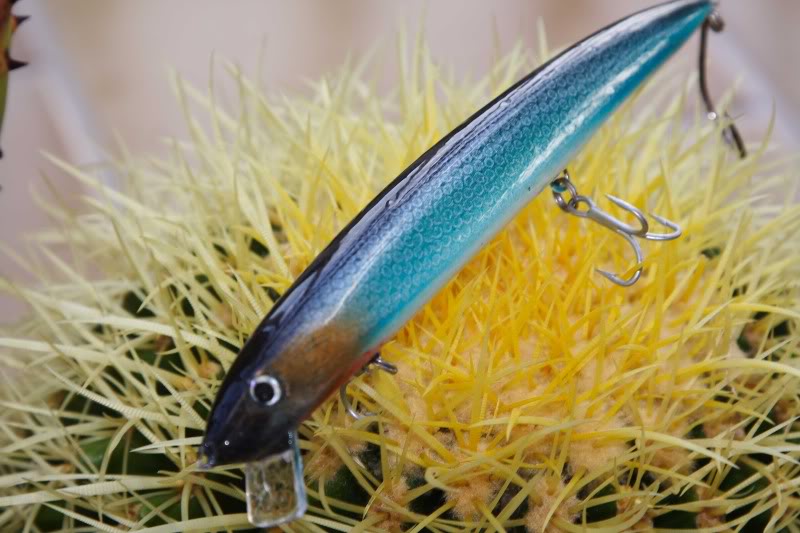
(423, 227)
(8, 25)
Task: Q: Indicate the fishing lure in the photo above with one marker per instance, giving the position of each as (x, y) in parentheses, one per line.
(418, 232)
(8, 25)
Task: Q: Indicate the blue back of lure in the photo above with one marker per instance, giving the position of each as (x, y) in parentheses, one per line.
(428, 223)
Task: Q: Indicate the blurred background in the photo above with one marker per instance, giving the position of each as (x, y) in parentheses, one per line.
(99, 68)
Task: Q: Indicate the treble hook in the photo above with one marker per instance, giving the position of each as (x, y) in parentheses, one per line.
(563, 184)
(381, 365)
(730, 133)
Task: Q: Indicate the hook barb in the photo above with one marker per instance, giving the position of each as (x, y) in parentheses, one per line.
(674, 234)
(644, 233)
(636, 275)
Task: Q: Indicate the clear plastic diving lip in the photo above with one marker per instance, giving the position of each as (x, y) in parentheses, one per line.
(275, 488)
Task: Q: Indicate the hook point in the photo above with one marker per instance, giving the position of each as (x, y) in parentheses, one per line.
(618, 280)
(674, 234)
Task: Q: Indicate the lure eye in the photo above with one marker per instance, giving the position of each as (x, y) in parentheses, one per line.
(265, 390)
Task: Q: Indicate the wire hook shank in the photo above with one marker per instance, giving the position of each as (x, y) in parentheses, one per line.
(731, 134)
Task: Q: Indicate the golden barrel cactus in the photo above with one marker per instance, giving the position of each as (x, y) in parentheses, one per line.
(533, 395)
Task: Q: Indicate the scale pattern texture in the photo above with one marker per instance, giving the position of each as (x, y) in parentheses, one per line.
(429, 222)
(456, 197)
